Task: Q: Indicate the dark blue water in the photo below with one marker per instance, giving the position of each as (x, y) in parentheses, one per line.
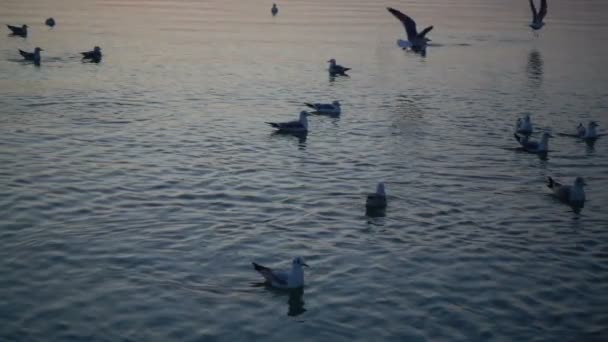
(135, 193)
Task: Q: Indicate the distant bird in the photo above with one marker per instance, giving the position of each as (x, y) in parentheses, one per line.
(274, 10)
(533, 146)
(524, 127)
(18, 31)
(591, 132)
(417, 41)
(537, 17)
(50, 22)
(376, 200)
(573, 195)
(32, 56)
(335, 69)
(299, 126)
(326, 108)
(283, 280)
(93, 56)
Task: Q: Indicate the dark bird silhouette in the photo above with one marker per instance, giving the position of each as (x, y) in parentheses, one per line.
(93, 56)
(417, 41)
(18, 31)
(537, 17)
(32, 56)
(50, 22)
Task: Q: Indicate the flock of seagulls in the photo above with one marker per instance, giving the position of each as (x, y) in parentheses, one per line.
(93, 56)
(416, 42)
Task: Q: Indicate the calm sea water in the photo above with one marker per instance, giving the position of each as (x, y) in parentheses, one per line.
(135, 193)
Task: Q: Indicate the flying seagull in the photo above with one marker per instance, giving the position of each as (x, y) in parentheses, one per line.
(537, 17)
(50, 22)
(93, 56)
(32, 56)
(335, 69)
(573, 195)
(18, 31)
(326, 108)
(284, 280)
(274, 10)
(298, 126)
(415, 40)
(533, 146)
(376, 200)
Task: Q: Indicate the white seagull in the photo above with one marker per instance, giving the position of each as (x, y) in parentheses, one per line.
(537, 17)
(335, 69)
(284, 280)
(299, 126)
(326, 108)
(532, 146)
(274, 10)
(32, 56)
(376, 200)
(417, 41)
(573, 195)
(524, 127)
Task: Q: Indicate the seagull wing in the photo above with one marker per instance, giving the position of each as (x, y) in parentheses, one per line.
(26, 55)
(543, 10)
(533, 8)
(271, 276)
(424, 32)
(408, 23)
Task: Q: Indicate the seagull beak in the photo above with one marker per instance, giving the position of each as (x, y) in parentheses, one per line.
(303, 264)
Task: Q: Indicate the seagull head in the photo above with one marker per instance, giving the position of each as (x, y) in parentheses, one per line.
(24, 27)
(593, 124)
(97, 49)
(579, 181)
(336, 103)
(299, 262)
(37, 49)
(331, 61)
(527, 118)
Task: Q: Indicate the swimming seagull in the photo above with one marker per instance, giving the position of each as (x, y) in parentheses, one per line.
(524, 127)
(415, 40)
(335, 69)
(533, 146)
(299, 126)
(274, 9)
(32, 56)
(284, 280)
(573, 195)
(50, 22)
(18, 31)
(580, 130)
(94, 56)
(376, 200)
(537, 17)
(590, 132)
(326, 108)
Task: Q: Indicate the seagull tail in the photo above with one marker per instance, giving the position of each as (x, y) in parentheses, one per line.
(550, 182)
(310, 105)
(259, 267)
(273, 124)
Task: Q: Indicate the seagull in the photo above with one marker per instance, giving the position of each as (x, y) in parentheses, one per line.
(376, 200)
(533, 146)
(573, 195)
(326, 108)
(524, 127)
(335, 69)
(274, 9)
(32, 56)
(590, 132)
(299, 126)
(50, 22)
(283, 280)
(94, 56)
(580, 130)
(416, 41)
(537, 17)
(18, 31)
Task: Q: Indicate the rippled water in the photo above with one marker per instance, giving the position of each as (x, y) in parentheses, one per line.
(135, 193)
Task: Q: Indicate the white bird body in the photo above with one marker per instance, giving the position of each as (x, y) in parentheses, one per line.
(299, 126)
(571, 194)
(284, 280)
(333, 108)
(539, 147)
